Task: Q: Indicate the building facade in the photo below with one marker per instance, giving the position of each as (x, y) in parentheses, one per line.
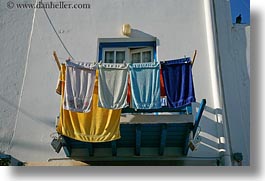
(29, 104)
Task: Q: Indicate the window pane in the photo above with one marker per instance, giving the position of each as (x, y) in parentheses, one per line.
(109, 57)
(147, 56)
(136, 57)
(120, 56)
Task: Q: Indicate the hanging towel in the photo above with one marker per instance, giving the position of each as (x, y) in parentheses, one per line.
(98, 125)
(112, 84)
(163, 95)
(79, 85)
(177, 75)
(145, 85)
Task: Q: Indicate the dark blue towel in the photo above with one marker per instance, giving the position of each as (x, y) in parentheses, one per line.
(178, 82)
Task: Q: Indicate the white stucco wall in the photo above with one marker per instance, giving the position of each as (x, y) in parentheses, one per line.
(233, 44)
(179, 25)
(238, 90)
(15, 27)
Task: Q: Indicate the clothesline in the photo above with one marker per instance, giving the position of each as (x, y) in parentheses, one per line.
(92, 96)
(60, 39)
(113, 83)
(59, 66)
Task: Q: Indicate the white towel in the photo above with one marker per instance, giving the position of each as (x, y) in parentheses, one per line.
(79, 86)
(113, 79)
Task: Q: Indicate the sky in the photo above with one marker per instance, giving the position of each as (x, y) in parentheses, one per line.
(240, 7)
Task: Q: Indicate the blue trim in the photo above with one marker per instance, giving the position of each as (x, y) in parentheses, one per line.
(67, 151)
(4, 156)
(66, 147)
(114, 148)
(186, 144)
(198, 116)
(126, 45)
(90, 149)
(163, 139)
(154, 53)
(138, 134)
(182, 110)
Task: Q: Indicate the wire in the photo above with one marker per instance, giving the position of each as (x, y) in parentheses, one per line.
(50, 21)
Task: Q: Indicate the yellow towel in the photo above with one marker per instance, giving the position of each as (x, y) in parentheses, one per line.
(98, 125)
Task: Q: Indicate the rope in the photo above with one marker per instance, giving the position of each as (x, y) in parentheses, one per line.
(24, 78)
(50, 21)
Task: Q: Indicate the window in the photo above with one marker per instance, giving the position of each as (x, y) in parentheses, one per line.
(129, 55)
(141, 55)
(115, 55)
(119, 50)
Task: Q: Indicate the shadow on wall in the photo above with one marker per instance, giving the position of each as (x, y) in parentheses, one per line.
(49, 123)
(7, 129)
(240, 50)
(140, 34)
(235, 72)
(211, 132)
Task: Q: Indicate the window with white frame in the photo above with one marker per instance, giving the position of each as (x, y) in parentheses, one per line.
(119, 51)
(141, 55)
(115, 55)
(129, 55)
